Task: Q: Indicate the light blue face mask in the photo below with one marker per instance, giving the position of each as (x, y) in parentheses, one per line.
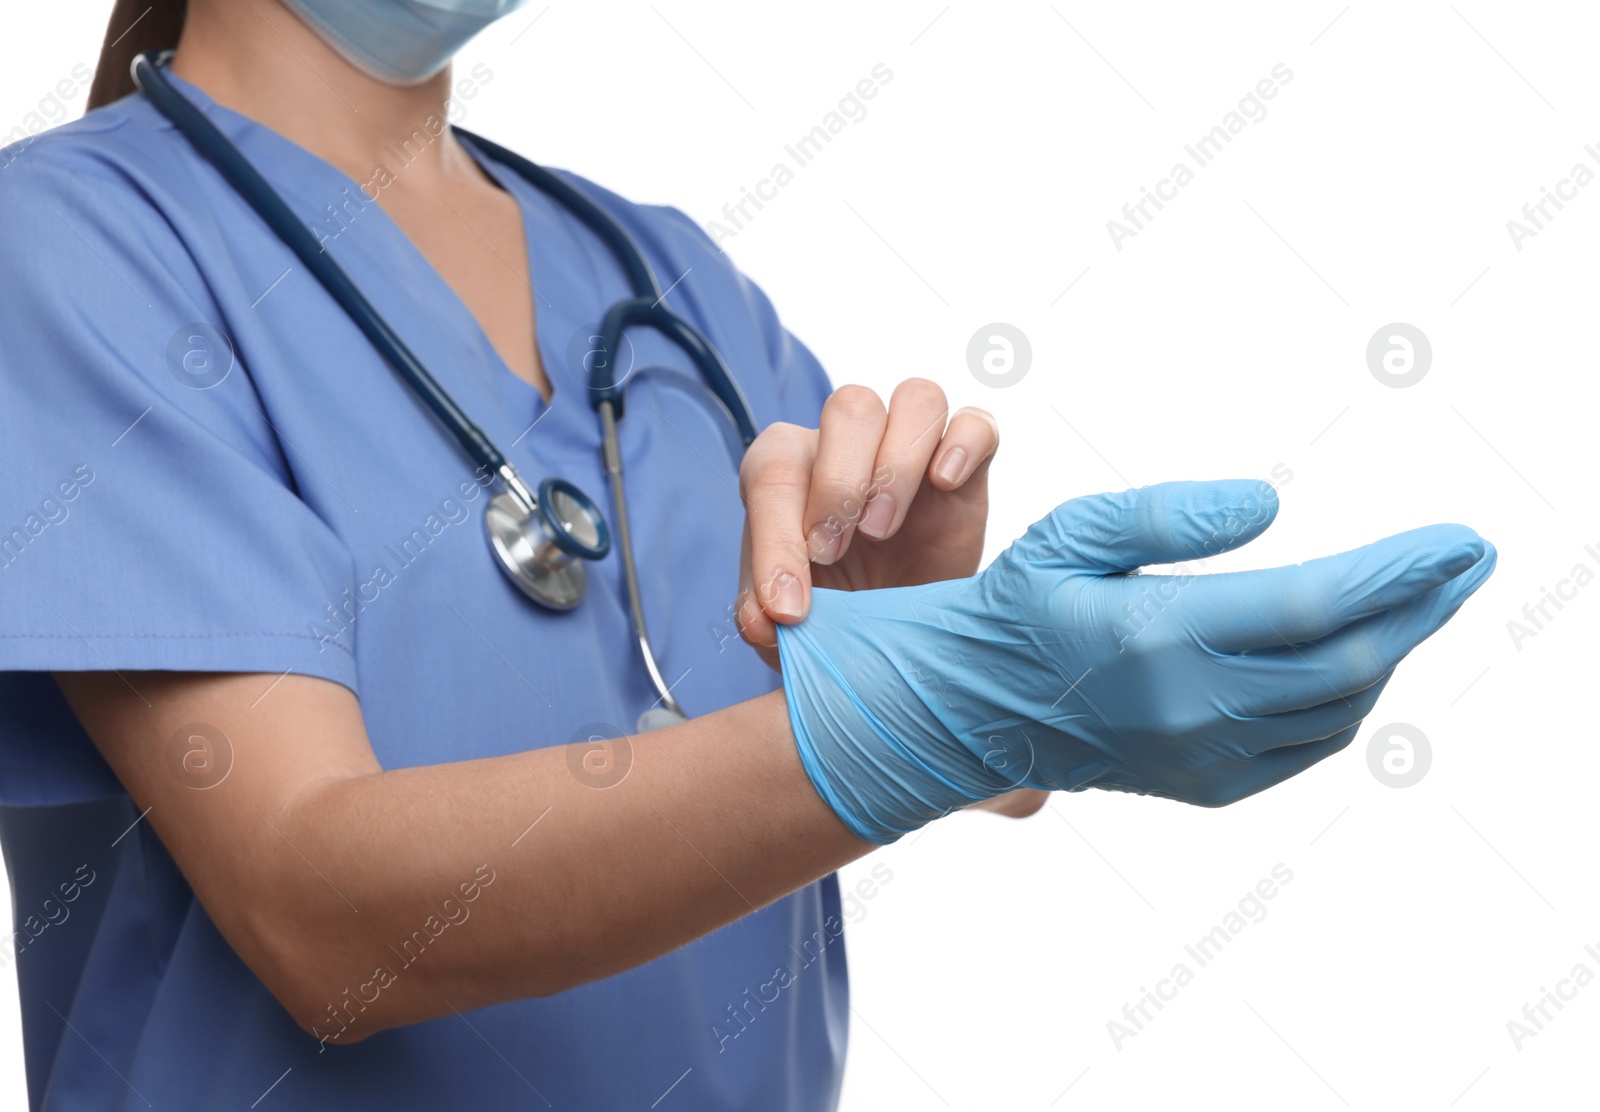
(401, 42)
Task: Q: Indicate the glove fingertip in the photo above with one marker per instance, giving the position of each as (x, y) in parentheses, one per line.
(1237, 511)
(1478, 572)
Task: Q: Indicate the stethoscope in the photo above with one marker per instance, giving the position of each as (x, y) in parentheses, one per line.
(540, 537)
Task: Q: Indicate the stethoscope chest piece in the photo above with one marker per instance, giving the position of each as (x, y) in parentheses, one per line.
(541, 540)
(659, 718)
(541, 547)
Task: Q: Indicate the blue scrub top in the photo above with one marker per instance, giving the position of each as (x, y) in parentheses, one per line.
(207, 468)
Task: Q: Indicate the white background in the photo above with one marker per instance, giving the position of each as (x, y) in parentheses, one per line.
(1228, 337)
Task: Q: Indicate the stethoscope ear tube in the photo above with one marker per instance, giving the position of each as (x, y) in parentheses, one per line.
(604, 387)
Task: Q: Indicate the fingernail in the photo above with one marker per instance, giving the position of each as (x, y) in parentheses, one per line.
(879, 516)
(787, 598)
(824, 545)
(953, 467)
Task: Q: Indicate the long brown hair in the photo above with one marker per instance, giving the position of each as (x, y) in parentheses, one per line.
(135, 26)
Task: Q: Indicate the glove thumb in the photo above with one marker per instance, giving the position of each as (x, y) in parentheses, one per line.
(1160, 524)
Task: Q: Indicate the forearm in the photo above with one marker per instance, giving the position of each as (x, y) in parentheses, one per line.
(367, 899)
(713, 820)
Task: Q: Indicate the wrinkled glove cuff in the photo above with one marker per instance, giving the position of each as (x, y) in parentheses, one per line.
(880, 788)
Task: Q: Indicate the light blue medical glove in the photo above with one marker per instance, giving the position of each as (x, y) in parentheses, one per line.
(1058, 668)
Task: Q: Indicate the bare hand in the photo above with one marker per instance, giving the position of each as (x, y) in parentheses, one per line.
(873, 498)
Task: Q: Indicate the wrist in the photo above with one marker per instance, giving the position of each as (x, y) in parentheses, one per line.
(882, 782)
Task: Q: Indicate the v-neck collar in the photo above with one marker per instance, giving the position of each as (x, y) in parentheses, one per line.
(512, 387)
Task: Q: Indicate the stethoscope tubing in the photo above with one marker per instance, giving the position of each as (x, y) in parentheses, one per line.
(606, 393)
(645, 308)
(247, 181)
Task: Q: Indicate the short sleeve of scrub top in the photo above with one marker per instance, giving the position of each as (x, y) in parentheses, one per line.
(207, 468)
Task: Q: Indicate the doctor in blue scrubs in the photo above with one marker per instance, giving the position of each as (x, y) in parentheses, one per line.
(316, 807)
(305, 806)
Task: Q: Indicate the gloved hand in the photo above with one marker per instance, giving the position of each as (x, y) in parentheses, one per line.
(1056, 668)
